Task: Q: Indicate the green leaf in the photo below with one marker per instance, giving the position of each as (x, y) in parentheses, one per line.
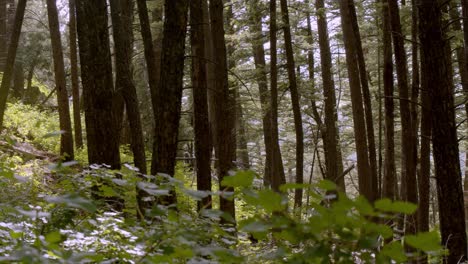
(73, 201)
(404, 207)
(327, 185)
(386, 205)
(53, 237)
(16, 235)
(394, 251)
(427, 242)
(271, 201)
(241, 179)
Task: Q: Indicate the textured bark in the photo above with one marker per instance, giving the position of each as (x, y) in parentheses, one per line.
(200, 102)
(74, 77)
(464, 4)
(3, 33)
(364, 170)
(96, 75)
(389, 181)
(366, 99)
(409, 186)
(333, 160)
(439, 84)
(11, 56)
(169, 92)
(242, 147)
(278, 175)
(295, 98)
(66, 138)
(18, 81)
(224, 118)
(150, 57)
(425, 171)
(262, 82)
(122, 12)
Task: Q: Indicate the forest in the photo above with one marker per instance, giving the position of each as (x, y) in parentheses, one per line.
(233, 131)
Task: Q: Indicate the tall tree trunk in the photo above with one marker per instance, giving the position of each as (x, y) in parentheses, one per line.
(364, 170)
(210, 73)
(223, 105)
(334, 164)
(18, 81)
(3, 33)
(96, 75)
(262, 81)
(295, 98)
(463, 60)
(169, 92)
(122, 12)
(278, 177)
(242, 147)
(409, 191)
(150, 57)
(439, 84)
(66, 138)
(200, 102)
(74, 77)
(367, 100)
(424, 186)
(389, 182)
(11, 56)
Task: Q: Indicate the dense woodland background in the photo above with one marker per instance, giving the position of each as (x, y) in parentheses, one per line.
(235, 131)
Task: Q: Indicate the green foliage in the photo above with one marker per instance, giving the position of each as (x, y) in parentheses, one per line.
(68, 225)
(39, 129)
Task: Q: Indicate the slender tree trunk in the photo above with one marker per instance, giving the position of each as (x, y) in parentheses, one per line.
(295, 98)
(439, 84)
(11, 56)
(66, 138)
(425, 171)
(277, 167)
(262, 81)
(3, 33)
(18, 81)
(389, 182)
(169, 92)
(409, 165)
(210, 73)
(122, 12)
(364, 170)
(332, 156)
(200, 102)
(150, 57)
(366, 99)
(224, 104)
(74, 77)
(96, 75)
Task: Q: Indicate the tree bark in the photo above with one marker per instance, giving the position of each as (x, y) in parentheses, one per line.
(74, 77)
(11, 56)
(295, 98)
(200, 103)
(96, 75)
(169, 92)
(409, 181)
(150, 57)
(439, 84)
(66, 138)
(389, 182)
(334, 164)
(367, 100)
(3, 33)
(277, 167)
(364, 170)
(223, 104)
(262, 82)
